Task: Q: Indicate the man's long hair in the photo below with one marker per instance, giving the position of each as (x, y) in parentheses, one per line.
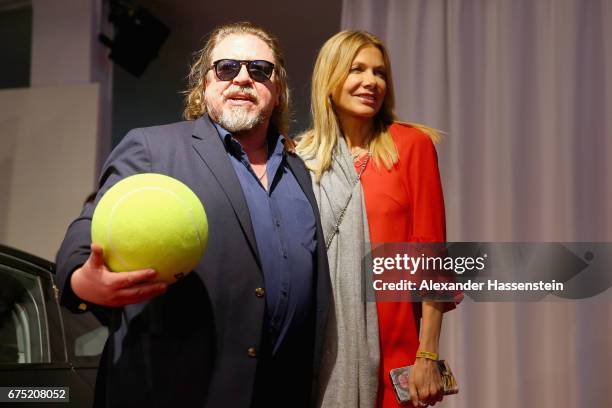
(331, 69)
(194, 99)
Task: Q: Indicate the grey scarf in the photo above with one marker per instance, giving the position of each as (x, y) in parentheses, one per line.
(351, 354)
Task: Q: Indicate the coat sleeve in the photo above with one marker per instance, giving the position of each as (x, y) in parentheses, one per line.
(429, 220)
(426, 191)
(130, 157)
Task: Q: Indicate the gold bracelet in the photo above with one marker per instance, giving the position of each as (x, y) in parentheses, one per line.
(427, 354)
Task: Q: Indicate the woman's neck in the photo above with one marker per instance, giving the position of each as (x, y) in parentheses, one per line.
(357, 131)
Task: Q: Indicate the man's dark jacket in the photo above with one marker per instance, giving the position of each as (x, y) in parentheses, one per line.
(194, 345)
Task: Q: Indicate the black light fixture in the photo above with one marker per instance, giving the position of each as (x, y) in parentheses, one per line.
(139, 36)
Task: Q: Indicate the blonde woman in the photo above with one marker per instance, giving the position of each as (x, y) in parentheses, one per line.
(376, 180)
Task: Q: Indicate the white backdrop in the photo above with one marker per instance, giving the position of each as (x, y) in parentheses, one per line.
(524, 90)
(48, 153)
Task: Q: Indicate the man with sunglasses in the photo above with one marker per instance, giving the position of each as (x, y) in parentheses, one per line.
(245, 329)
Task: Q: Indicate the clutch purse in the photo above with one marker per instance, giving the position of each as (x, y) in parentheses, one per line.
(399, 379)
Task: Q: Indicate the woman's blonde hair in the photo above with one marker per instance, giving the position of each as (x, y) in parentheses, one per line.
(330, 71)
(194, 95)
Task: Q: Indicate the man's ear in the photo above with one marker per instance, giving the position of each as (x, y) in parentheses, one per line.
(205, 81)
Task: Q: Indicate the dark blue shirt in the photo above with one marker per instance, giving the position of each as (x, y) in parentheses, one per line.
(284, 226)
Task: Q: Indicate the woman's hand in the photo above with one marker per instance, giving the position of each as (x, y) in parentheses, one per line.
(425, 383)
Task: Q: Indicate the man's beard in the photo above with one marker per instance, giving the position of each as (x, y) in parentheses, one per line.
(238, 118)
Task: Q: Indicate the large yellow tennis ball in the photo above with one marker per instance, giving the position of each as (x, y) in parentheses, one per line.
(151, 221)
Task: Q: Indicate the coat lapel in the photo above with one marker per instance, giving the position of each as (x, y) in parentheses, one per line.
(323, 282)
(210, 149)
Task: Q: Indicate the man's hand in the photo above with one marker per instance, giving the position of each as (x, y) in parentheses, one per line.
(425, 383)
(95, 283)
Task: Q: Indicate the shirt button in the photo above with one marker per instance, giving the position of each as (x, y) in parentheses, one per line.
(252, 352)
(277, 223)
(284, 254)
(259, 292)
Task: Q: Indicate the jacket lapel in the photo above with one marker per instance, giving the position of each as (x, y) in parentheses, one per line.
(210, 149)
(323, 282)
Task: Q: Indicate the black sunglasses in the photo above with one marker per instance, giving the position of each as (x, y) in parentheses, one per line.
(228, 69)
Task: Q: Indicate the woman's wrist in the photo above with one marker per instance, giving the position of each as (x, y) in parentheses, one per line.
(427, 355)
(428, 345)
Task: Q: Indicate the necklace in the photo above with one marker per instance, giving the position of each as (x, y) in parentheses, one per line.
(358, 152)
(260, 178)
(336, 229)
(262, 174)
(363, 166)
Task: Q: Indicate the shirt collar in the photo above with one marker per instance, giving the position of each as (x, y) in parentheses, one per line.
(276, 141)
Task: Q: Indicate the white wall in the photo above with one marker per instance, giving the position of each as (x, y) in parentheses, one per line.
(66, 51)
(48, 139)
